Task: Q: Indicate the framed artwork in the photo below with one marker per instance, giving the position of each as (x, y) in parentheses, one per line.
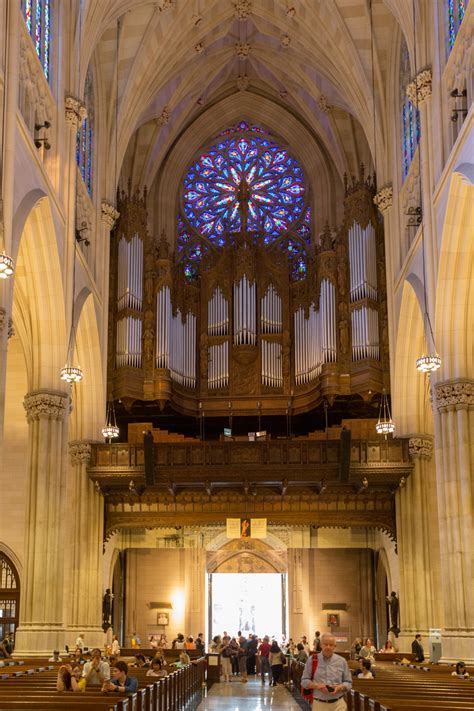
(333, 620)
(163, 619)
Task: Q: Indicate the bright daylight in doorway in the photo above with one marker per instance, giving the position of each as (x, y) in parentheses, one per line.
(250, 602)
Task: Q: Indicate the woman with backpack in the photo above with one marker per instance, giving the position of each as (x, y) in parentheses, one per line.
(277, 660)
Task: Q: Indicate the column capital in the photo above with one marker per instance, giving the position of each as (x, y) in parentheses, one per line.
(384, 198)
(80, 451)
(454, 394)
(109, 213)
(420, 88)
(75, 111)
(45, 404)
(420, 446)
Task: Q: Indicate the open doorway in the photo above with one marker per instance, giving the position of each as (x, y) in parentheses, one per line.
(254, 603)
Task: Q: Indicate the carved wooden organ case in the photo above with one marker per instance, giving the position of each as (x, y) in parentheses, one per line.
(244, 330)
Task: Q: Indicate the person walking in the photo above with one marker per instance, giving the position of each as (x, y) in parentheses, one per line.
(263, 652)
(330, 680)
(277, 660)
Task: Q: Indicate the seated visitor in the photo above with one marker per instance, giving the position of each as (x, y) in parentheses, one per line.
(357, 646)
(179, 642)
(70, 678)
(461, 671)
(96, 671)
(365, 669)
(121, 683)
(163, 642)
(140, 662)
(368, 650)
(56, 657)
(156, 668)
(152, 642)
(387, 648)
(115, 646)
(200, 646)
(190, 643)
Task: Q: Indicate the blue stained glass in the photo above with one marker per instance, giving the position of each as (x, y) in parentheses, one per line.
(245, 168)
(38, 28)
(455, 10)
(47, 16)
(37, 14)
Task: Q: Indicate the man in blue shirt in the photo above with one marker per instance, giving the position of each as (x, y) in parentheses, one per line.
(120, 682)
(331, 679)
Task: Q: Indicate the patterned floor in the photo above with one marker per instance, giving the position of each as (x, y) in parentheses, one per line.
(253, 696)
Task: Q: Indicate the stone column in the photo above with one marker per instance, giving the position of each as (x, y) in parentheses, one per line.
(418, 546)
(195, 561)
(384, 201)
(109, 216)
(41, 607)
(454, 428)
(419, 92)
(83, 571)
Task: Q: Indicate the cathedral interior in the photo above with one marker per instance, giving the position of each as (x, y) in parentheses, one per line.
(237, 283)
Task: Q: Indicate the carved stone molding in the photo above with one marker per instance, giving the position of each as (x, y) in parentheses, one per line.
(109, 214)
(199, 47)
(455, 394)
(45, 404)
(75, 110)
(285, 40)
(323, 104)
(243, 83)
(242, 50)
(80, 452)
(421, 446)
(242, 9)
(5, 321)
(420, 88)
(164, 117)
(384, 198)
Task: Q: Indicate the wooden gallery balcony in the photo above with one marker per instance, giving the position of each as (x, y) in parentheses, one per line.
(287, 481)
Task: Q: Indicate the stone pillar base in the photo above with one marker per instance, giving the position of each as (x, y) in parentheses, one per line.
(38, 640)
(457, 645)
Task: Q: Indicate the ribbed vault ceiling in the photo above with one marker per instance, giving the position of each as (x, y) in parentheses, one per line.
(178, 59)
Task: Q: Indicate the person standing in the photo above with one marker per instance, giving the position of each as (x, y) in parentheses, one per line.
(263, 652)
(317, 642)
(417, 649)
(277, 660)
(242, 657)
(331, 679)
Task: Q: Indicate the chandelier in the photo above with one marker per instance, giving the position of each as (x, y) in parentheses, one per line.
(71, 373)
(6, 266)
(428, 363)
(110, 430)
(385, 425)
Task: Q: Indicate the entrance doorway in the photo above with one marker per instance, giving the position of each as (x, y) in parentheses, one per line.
(254, 603)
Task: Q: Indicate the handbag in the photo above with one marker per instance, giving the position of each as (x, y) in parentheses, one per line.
(307, 694)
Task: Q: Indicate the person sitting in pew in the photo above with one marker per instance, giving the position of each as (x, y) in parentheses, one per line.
(140, 662)
(387, 648)
(461, 671)
(156, 668)
(368, 650)
(365, 670)
(56, 656)
(121, 683)
(96, 672)
(70, 678)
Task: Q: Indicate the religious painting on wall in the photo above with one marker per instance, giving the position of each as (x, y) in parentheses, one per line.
(333, 620)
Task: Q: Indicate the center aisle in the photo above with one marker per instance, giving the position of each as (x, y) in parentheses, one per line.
(253, 696)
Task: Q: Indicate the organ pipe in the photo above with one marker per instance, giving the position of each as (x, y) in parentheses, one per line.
(218, 315)
(129, 343)
(363, 262)
(365, 334)
(271, 312)
(182, 357)
(130, 274)
(163, 316)
(218, 367)
(245, 313)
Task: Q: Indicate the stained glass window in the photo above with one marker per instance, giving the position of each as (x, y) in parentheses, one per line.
(455, 10)
(410, 116)
(85, 137)
(37, 14)
(245, 181)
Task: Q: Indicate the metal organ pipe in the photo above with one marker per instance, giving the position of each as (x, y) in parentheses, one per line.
(363, 262)
(365, 333)
(218, 314)
(163, 315)
(218, 370)
(271, 312)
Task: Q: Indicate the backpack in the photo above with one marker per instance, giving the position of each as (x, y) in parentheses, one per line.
(307, 694)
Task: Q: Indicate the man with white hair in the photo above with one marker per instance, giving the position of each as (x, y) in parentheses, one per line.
(327, 676)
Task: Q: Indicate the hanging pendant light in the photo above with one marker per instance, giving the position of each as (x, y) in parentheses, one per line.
(71, 373)
(110, 431)
(385, 425)
(6, 266)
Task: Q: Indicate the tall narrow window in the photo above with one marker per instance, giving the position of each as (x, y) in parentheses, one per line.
(454, 10)
(410, 117)
(37, 14)
(85, 136)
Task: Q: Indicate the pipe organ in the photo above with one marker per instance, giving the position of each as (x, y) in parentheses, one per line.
(246, 326)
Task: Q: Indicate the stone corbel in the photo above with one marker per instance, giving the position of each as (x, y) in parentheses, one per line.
(454, 395)
(384, 198)
(46, 405)
(80, 452)
(75, 112)
(420, 88)
(109, 214)
(420, 447)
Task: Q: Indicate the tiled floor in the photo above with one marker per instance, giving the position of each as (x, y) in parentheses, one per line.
(253, 696)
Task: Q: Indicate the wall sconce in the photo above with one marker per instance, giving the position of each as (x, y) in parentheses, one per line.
(456, 94)
(79, 238)
(42, 140)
